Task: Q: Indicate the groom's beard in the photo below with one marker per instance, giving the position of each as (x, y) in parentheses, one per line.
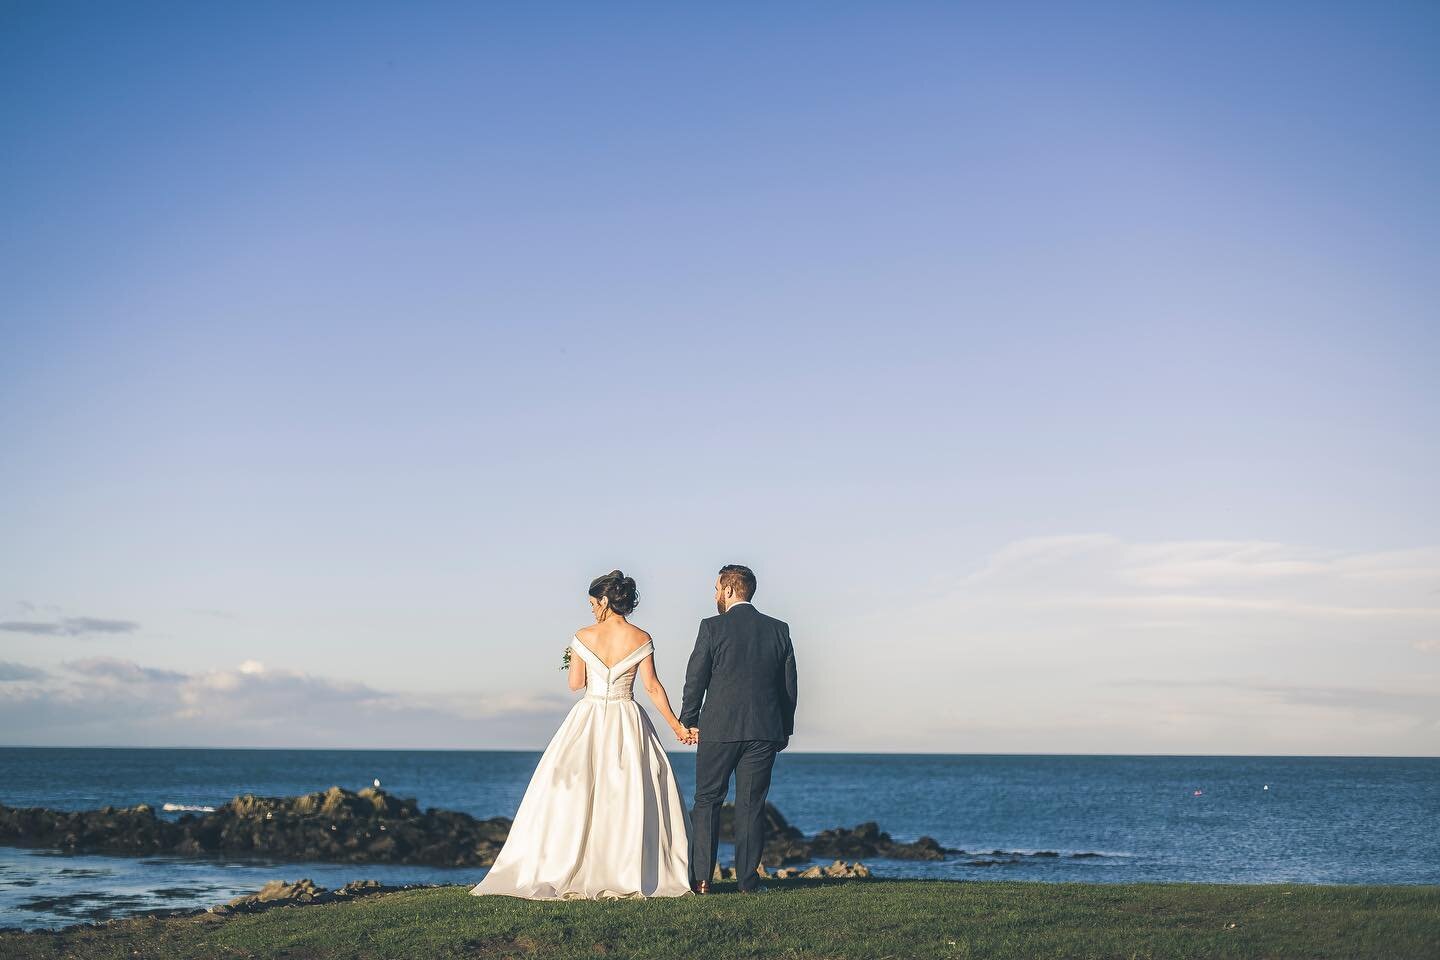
(720, 605)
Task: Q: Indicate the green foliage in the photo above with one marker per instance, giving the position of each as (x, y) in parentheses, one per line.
(843, 919)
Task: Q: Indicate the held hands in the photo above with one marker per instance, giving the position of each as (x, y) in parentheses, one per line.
(689, 737)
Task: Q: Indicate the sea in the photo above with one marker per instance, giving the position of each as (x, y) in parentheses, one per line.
(1091, 819)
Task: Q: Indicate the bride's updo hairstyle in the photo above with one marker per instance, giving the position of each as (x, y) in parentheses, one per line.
(618, 589)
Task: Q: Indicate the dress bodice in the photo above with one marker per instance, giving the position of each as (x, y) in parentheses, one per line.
(615, 682)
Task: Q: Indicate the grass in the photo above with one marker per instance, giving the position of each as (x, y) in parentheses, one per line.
(841, 919)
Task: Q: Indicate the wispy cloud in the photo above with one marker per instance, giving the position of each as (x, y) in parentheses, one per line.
(123, 671)
(1424, 704)
(1199, 576)
(1095, 643)
(1404, 701)
(13, 672)
(104, 700)
(69, 626)
(217, 614)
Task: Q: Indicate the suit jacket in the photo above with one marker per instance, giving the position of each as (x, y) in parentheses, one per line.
(743, 671)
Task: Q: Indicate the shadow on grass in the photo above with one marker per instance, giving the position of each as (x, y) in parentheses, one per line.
(726, 887)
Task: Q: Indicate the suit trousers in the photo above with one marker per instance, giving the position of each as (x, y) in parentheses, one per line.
(715, 760)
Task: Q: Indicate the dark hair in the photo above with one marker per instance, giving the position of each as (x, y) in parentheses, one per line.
(740, 579)
(618, 589)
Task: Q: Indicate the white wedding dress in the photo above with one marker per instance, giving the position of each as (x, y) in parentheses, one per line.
(602, 816)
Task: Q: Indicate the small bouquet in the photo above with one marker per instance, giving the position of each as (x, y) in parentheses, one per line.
(565, 660)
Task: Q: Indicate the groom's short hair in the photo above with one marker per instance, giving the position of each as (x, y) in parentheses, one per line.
(740, 579)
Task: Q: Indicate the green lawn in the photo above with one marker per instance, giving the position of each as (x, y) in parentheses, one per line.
(812, 920)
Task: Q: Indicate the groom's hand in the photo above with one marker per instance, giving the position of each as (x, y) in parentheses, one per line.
(694, 737)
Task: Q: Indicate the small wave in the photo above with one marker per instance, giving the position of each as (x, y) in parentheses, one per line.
(1018, 855)
(188, 806)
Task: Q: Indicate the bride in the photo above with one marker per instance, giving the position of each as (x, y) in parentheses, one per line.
(602, 816)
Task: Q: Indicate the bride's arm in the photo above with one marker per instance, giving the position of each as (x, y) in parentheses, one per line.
(656, 689)
(577, 670)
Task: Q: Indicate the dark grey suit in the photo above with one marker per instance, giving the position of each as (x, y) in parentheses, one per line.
(743, 671)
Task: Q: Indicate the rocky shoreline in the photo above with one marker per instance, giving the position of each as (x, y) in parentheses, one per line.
(303, 892)
(373, 826)
(787, 846)
(335, 825)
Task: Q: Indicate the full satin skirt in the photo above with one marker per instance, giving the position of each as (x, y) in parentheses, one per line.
(602, 817)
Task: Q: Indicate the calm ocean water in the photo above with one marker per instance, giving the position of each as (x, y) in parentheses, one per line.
(1209, 819)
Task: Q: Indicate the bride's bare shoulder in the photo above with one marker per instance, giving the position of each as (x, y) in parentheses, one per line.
(635, 638)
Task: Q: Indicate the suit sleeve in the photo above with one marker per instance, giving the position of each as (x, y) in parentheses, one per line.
(697, 679)
(791, 687)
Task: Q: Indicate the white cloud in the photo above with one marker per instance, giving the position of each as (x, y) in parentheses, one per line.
(107, 700)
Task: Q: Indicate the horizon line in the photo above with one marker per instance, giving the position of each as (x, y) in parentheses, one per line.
(854, 753)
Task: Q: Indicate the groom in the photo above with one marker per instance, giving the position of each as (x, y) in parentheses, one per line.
(743, 669)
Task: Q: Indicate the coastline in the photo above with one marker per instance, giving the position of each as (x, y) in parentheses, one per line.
(1322, 821)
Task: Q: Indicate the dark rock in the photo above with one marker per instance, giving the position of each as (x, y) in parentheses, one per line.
(776, 826)
(786, 846)
(303, 892)
(866, 840)
(336, 824)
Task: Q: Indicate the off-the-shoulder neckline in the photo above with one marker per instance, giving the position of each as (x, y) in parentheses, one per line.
(617, 663)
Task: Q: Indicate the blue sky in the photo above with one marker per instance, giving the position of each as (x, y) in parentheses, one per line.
(1066, 372)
